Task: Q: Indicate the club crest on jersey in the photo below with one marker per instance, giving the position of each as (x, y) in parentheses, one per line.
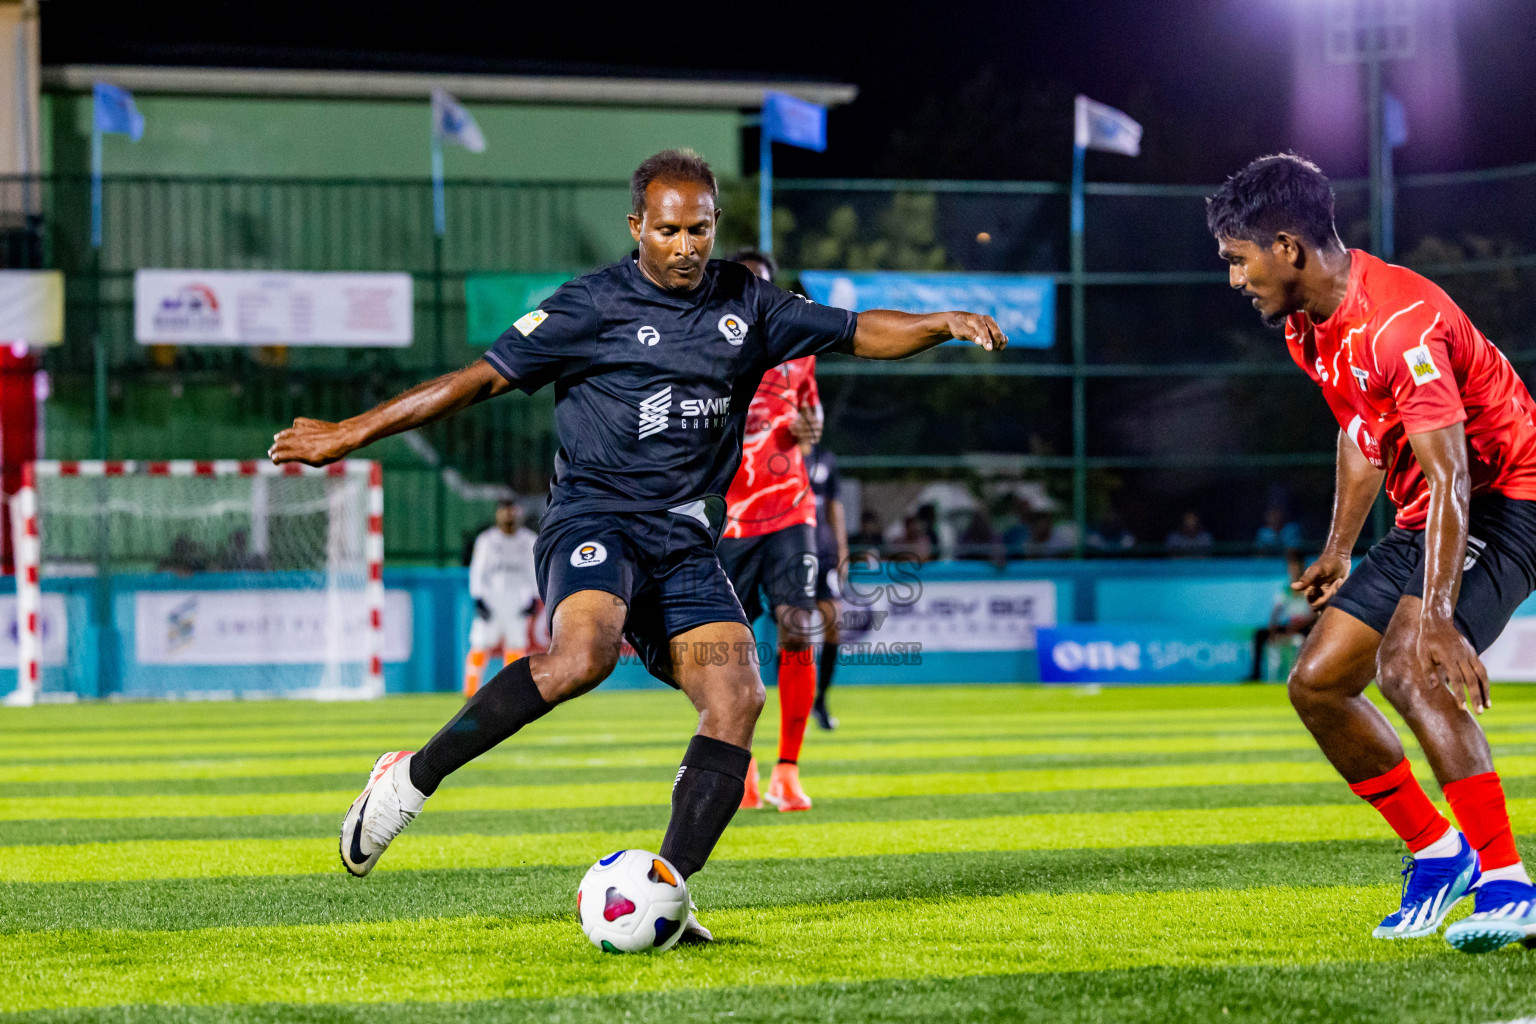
(528, 321)
(734, 328)
(1361, 377)
(648, 335)
(589, 553)
(1421, 364)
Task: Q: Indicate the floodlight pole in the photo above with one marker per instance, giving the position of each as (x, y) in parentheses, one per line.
(765, 192)
(1381, 229)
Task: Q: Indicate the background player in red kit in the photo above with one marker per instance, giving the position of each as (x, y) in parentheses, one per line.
(769, 546)
(1429, 404)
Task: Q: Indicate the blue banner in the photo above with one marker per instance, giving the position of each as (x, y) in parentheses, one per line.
(1143, 654)
(1024, 305)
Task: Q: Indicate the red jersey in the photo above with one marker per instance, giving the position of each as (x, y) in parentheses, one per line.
(1398, 357)
(771, 490)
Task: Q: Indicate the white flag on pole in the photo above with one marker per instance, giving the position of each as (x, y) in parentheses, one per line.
(453, 123)
(1102, 127)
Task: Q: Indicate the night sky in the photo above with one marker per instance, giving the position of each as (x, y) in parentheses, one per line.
(958, 89)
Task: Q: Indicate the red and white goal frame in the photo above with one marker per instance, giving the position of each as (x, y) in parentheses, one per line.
(28, 545)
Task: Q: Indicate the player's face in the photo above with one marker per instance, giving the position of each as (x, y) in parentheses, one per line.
(675, 233)
(508, 518)
(1265, 275)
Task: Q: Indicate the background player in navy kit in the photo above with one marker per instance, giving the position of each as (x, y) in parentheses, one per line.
(832, 560)
(654, 360)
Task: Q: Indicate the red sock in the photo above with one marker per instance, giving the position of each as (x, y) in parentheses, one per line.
(1401, 800)
(797, 692)
(1478, 803)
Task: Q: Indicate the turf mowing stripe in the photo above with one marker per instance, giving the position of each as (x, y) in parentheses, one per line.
(202, 858)
(486, 957)
(620, 794)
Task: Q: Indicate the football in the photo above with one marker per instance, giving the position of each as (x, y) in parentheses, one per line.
(632, 901)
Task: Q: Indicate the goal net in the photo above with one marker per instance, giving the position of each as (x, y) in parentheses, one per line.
(199, 580)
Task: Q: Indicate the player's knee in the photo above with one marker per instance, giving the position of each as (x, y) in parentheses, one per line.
(576, 671)
(1397, 674)
(1310, 686)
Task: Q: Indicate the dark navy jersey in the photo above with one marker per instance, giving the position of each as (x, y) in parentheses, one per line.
(652, 387)
(821, 467)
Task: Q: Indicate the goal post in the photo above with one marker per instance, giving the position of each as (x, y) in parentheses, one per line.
(199, 579)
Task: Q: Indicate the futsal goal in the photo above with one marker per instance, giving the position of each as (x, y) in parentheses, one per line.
(186, 579)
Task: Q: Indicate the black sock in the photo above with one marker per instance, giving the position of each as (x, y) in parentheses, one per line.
(706, 794)
(824, 667)
(500, 708)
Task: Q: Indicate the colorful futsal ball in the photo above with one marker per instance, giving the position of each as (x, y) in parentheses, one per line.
(632, 902)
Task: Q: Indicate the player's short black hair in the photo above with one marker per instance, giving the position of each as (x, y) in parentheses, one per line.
(674, 165)
(750, 255)
(1283, 192)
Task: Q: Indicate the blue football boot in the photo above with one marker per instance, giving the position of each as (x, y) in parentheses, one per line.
(1503, 912)
(1431, 887)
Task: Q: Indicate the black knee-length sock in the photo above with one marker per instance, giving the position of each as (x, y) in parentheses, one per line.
(824, 667)
(707, 792)
(497, 710)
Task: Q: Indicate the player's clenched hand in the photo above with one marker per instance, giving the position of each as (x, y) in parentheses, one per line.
(1449, 660)
(312, 442)
(978, 329)
(1322, 579)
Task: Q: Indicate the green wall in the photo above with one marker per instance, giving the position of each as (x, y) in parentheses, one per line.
(341, 138)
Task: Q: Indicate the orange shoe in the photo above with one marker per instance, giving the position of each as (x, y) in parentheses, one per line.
(752, 799)
(784, 790)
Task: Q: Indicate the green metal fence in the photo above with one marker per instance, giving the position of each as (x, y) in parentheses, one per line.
(1162, 392)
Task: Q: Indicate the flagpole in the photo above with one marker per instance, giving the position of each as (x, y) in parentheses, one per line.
(439, 202)
(1079, 356)
(95, 183)
(765, 192)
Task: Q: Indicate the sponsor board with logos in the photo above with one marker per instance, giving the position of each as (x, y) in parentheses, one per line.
(257, 627)
(230, 307)
(1143, 654)
(965, 616)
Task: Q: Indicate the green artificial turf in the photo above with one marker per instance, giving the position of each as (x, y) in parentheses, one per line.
(975, 853)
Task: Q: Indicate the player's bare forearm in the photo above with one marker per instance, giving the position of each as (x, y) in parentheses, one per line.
(1444, 654)
(888, 334)
(840, 533)
(318, 442)
(1356, 484)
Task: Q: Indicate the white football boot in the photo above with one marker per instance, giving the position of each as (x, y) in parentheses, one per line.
(386, 805)
(693, 932)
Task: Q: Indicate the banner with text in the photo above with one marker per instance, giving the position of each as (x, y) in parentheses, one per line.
(1144, 654)
(52, 623)
(999, 615)
(237, 307)
(258, 627)
(1024, 305)
(32, 306)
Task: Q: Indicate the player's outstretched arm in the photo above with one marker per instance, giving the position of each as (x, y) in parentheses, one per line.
(316, 442)
(887, 334)
(1444, 653)
(1356, 484)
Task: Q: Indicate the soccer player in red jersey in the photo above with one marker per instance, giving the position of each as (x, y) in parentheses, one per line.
(1429, 405)
(769, 546)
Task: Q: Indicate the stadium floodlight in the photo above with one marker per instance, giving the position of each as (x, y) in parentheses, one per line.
(227, 578)
(1362, 31)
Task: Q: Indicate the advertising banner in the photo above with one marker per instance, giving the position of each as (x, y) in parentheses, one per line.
(1144, 654)
(981, 615)
(53, 625)
(493, 301)
(257, 627)
(1512, 658)
(32, 306)
(258, 307)
(1024, 305)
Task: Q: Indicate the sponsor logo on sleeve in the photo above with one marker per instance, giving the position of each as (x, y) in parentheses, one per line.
(734, 328)
(528, 321)
(589, 553)
(1421, 364)
(1361, 377)
(648, 335)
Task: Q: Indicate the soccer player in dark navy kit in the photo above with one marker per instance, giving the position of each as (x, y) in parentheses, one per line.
(1429, 406)
(654, 361)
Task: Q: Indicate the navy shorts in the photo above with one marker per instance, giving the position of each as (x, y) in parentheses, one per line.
(829, 585)
(782, 564)
(1498, 574)
(661, 564)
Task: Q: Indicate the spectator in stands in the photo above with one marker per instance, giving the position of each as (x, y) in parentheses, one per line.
(1191, 539)
(185, 557)
(928, 518)
(869, 542)
(915, 542)
(1290, 618)
(1111, 537)
(1277, 536)
(979, 540)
